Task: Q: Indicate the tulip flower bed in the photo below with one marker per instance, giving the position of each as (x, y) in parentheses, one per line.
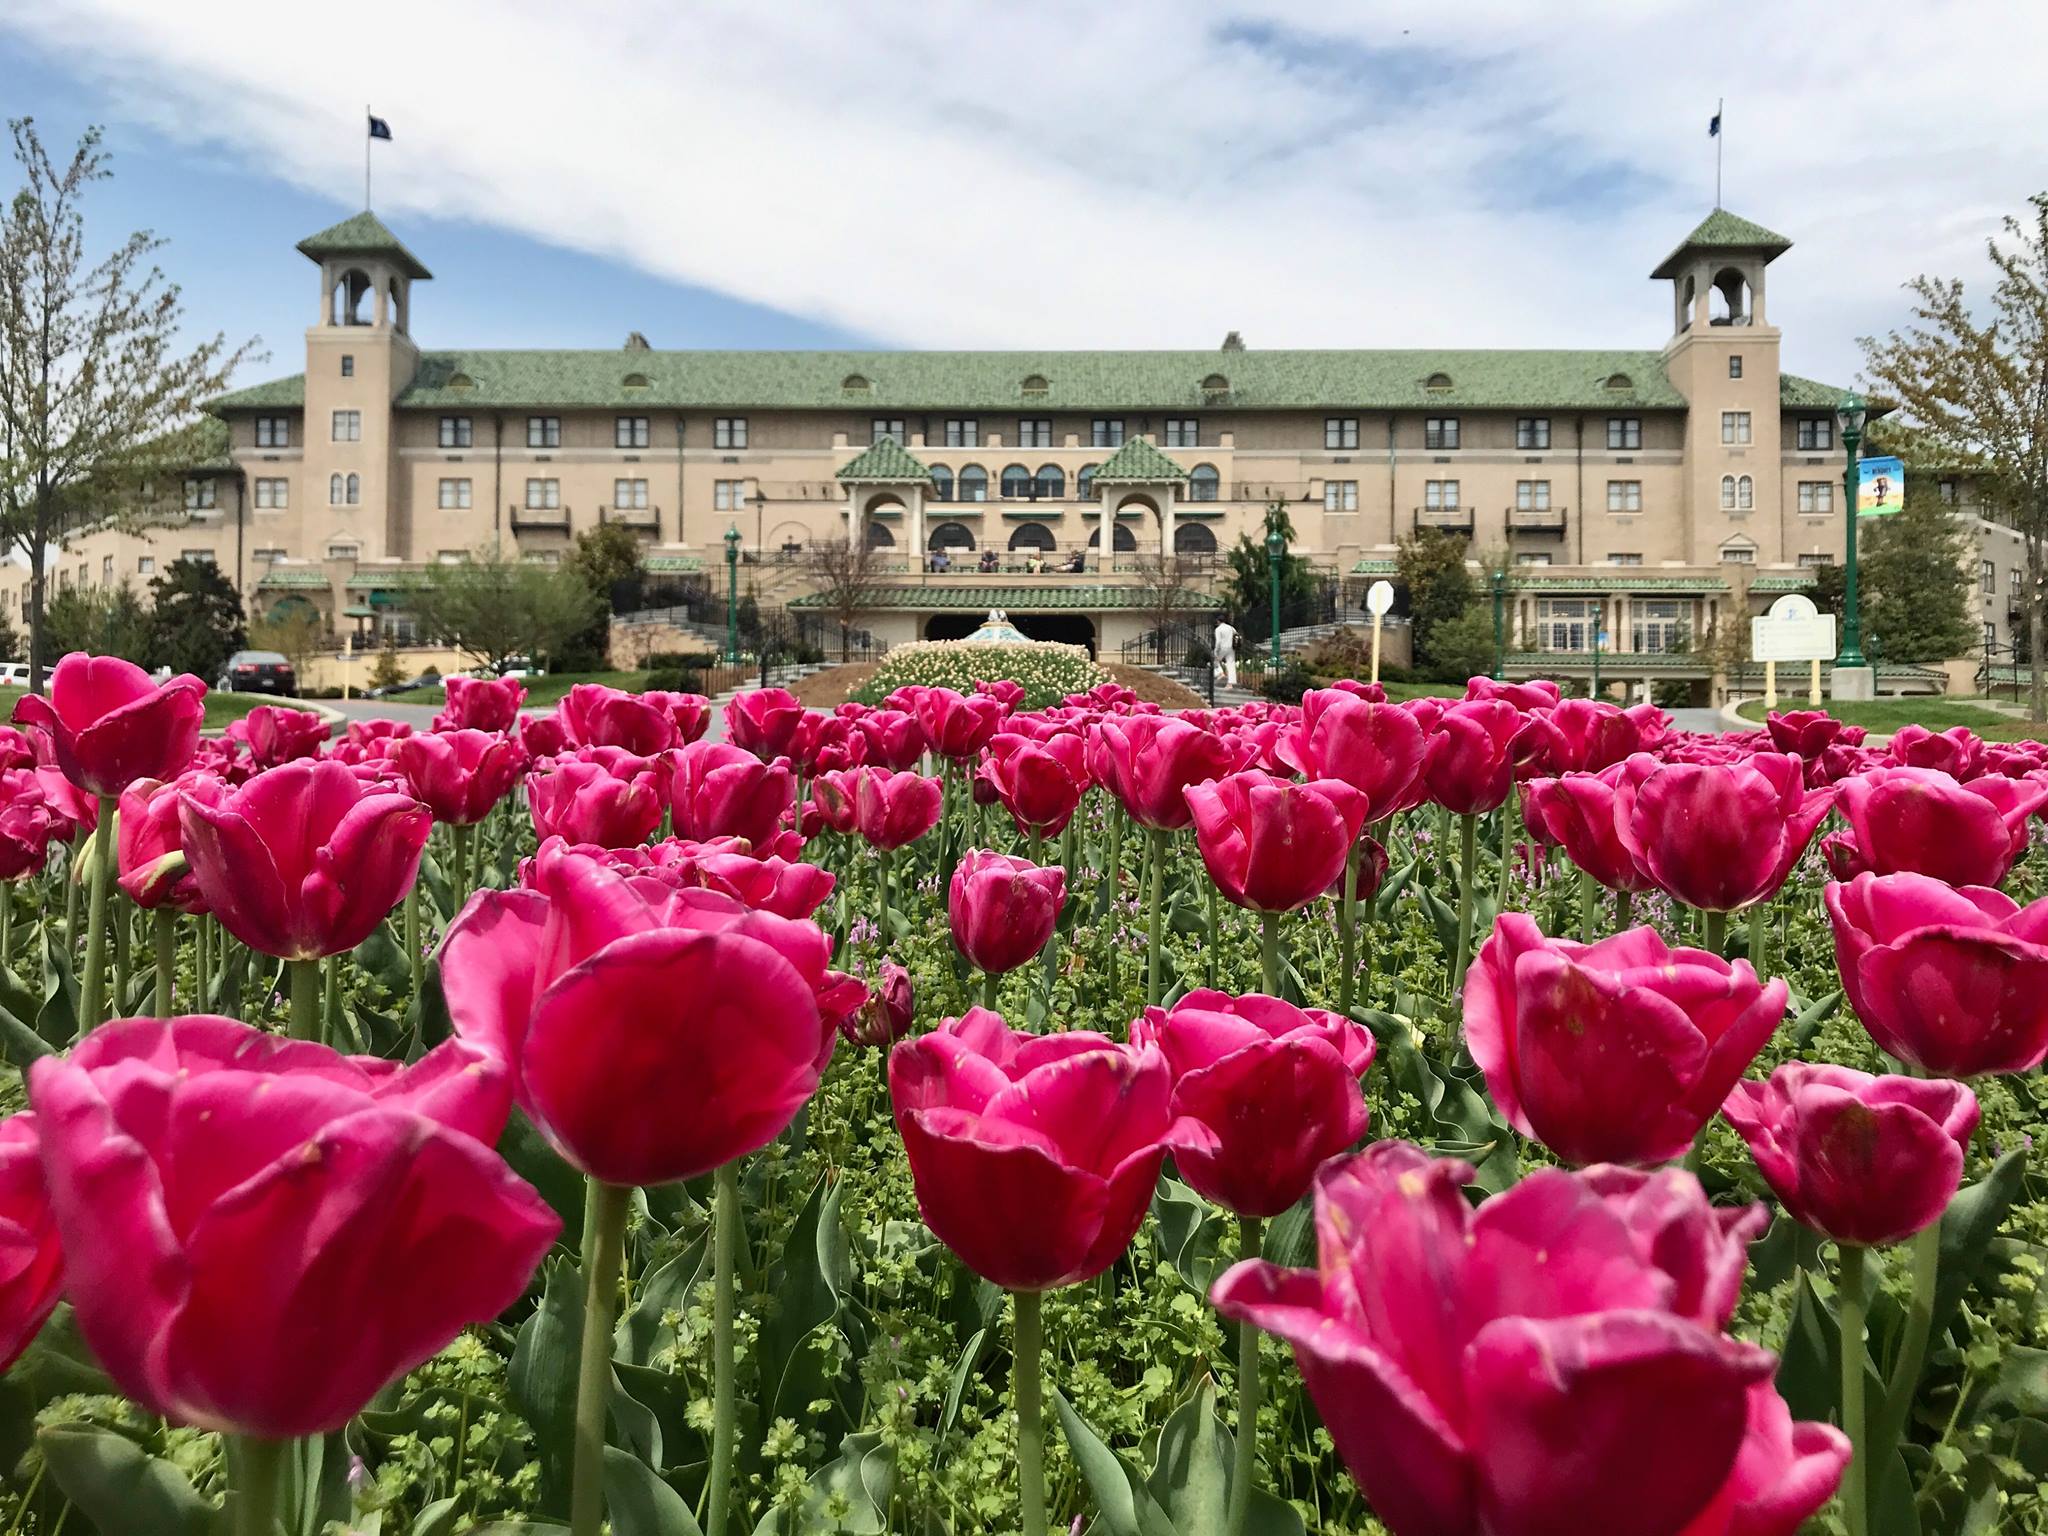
(1047, 672)
(1500, 1116)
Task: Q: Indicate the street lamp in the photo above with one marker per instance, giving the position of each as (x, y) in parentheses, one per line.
(1276, 550)
(1500, 639)
(732, 594)
(1851, 413)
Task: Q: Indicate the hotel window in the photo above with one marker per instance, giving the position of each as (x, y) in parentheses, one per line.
(729, 432)
(629, 432)
(1566, 623)
(543, 494)
(1017, 482)
(973, 484)
(1532, 432)
(343, 551)
(1624, 495)
(457, 432)
(1204, 483)
(1990, 637)
(1440, 432)
(199, 495)
(942, 483)
(2013, 579)
(347, 427)
(1084, 481)
(197, 556)
(543, 431)
(272, 494)
(1738, 493)
(1735, 428)
(145, 565)
(1183, 432)
(1034, 432)
(454, 495)
(1734, 372)
(1340, 495)
(273, 432)
(963, 432)
(1950, 491)
(880, 427)
(1738, 554)
(1532, 495)
(1532, 557)
(452, 557)
(107, 571)
(728, 495)
(1051, 483)
(1107, 432)
(630, 494)
(1620, 557)
(1816, 434)
(1987, 577)
(1815, 562)
(1816, 496)
(1340, 432)
(1440, 495)
(1655, 625)
(1624, 433)
(344, 490)
(348, 365)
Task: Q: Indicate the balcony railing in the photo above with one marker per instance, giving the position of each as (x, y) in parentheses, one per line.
(632, 517)
(1444, 519)
(1536, 519)
(538, 519)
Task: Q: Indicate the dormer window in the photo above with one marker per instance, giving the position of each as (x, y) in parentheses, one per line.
(461, 381)
(854, 384)
(1620, 381)
(1215, 388)
(1437, 381)
(634, 381)
(1035, 384)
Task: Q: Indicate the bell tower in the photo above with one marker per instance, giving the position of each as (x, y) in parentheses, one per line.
(1723, 358)
(360, 357)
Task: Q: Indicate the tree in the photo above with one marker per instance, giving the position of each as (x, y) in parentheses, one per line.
(1431, 566)
(846, 576)
(494, 610)
(10, 638)
(295, 631)
(1915, 586)
(93, 381)
(602, 558)
(196, 619)
(108, 621)
(387, 673)
(1976, 391)
(1461, 647)
(1251, 575)
(1166, 592)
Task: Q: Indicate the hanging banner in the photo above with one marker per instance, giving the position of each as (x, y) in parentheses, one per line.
(1880, 487)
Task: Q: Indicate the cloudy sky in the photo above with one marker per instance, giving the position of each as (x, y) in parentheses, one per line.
(1153, 173)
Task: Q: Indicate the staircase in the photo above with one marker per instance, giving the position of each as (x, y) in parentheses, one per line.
(1196, 680)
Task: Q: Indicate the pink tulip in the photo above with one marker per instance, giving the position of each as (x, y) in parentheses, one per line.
(1002, 909)
(1148, 762)
(889, 810)
(716, 789)
(1587, 735)
(1576, 812)
(654, 1034)
(543, 736)
(1860, 1159)
(260, 1234)
(1921, 820)
(1040, 783)
(1271, 845)
(1957, 751)
(1469, 765)
(1612, 1052)
(362, 740)
(1719, 836)
(16, 749)
(892, 738)
(1034, 1157)
(27, 824)
(460, 775)
(764, 721)
(887, 1014)
(1784, 1474)
(274, 734)
(593, 715)
(689, 713)
(1807, 733)
(303, 861)
(31, 1263)
(584, 804)
(73, 811)
(1553, 1362)
(957, 725)
(109, 723)
(1375, 747)
(768, 882)
(1536, 693)
(149, 843)
(480, 704)
(1950, 981)
(1275, 1084)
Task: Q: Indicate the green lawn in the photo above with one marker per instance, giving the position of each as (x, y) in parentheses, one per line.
(540, 691)
(1883, 716)
(221, 708)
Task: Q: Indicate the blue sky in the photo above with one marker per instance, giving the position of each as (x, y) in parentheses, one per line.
(748, 173)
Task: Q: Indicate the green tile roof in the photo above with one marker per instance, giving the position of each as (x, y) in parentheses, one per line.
(888, 462)
(1024, 599)
(278, 576)
(1795, 391)
(403, 578)
(668, 565)
(1618, 583)
(363, 234)
(1723, 231)
(1137, 462)
(1798, 583)
(1372, 567)
(1668, 663)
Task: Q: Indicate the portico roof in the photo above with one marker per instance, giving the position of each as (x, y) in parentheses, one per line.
(1034, 598)
(1137, 462)
(363, 234)
(888, 462)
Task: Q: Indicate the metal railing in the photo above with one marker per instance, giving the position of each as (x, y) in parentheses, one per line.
(521, 516)
(1444, 519)
(1536, 519)
(631, 517)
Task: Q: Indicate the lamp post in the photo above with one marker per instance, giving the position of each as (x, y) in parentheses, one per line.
(732, 594)
(1851, 414)
(1276, 550)
(1599, 630)
(1500, 636)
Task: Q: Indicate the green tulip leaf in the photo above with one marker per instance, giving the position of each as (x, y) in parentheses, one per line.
(1190, 1234)
(1291, 1236)
(542, 1377)
(1967, 1228)
(19, 1043)
(438, 1518)
(120, 1488)
(527, 1153)
(640, 1503)
(861, 1482)
(664, 1292)
(956, 1388)
(812, 1278)
(1397, 881)
(1122, 1497)
(1196, 1470)
(1810, 1019)
(57, 1017)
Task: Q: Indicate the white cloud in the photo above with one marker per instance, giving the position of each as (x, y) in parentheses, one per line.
(1148, 174)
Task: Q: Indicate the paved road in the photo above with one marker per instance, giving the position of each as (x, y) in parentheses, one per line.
(1710, 721)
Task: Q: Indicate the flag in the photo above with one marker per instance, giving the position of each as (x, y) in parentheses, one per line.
(379, 129)
(1713, 127)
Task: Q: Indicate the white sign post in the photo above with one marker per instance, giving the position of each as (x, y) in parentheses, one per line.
(1794, 630)
(1379, 597)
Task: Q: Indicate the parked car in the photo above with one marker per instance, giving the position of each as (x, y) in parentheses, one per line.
(13, 674)
(258, 672)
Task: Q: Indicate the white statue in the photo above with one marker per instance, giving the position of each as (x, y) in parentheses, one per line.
(1226, 653)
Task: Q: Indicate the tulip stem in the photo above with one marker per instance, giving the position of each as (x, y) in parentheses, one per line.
(413, 952)
(164, 922)
(1713, 931)
(1347, 933)
(1851, 1309)
(1757, 931)
(459, 880)
(1112, 876)
(258, 1466)
(121, 936)
(1155, 960)
(1269, 952)
(1024, 1393)
(306, 980)
(1251, 1232)
(991, 982)
(1209, 952)
(93, 1005)
(1468, 860)
(1589, 896)
(604, 1242)
(1899, 1394)
(1507, 845)
(725, 1216)
(1624, 909)
(6, 922)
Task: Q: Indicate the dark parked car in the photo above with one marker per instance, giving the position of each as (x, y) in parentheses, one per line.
(258, 672)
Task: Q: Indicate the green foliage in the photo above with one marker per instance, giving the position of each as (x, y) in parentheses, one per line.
(1431, 567)
(1915, 587)
(1250, 588)
(1047, 672)
(12, 646)
(1461, 647)
(386, 672)
(600, 559)
(196, 620)
(108, 621)
(494, 609)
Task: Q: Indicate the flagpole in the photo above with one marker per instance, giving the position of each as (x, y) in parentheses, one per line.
(1719, 139)
(366, 162)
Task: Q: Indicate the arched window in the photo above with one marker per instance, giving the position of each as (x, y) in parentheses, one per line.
(461, 381)
(1437, 381)
(634, 381)
(1084, 482)
(942, 483)
(854, 384)
(334, 484)
(1215, 388)
(1203, 483)
(1745, 494)
(395, 298)
(1620, 381)
(1016, 481)
(1193, 539)
(353, 292)
(1123, 541)
(355, 489)
(1052, 481)
(1034, 384)
(1729, 301)
(972, 484)
(879, 536)
(1032, 536)
(1727, 493)
(950, 536)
